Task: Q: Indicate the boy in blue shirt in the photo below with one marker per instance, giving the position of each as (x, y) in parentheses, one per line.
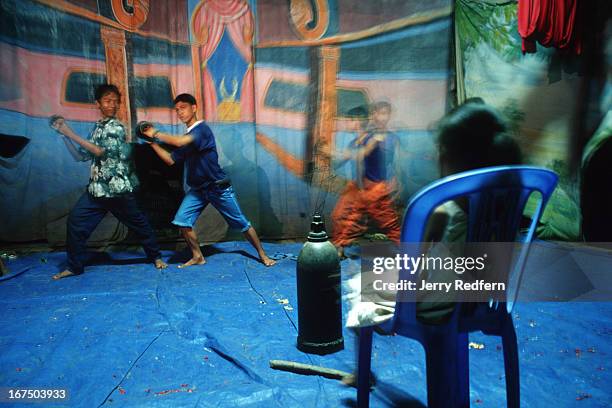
(206, 180)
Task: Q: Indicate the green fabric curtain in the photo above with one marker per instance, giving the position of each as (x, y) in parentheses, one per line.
(533, 91)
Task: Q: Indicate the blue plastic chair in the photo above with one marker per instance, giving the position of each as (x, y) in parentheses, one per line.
(446, 345)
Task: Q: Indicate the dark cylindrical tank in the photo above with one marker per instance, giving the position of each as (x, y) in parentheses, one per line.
(318, 293)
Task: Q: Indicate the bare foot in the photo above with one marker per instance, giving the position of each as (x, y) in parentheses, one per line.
(267, 261)
(63, 274)
(193, 261)
(159, 264)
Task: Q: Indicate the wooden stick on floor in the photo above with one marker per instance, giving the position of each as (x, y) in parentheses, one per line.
(308, 369)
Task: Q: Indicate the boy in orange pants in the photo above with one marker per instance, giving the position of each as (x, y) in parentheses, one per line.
(372, 193)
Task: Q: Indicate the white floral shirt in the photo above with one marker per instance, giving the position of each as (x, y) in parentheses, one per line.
(112, 174)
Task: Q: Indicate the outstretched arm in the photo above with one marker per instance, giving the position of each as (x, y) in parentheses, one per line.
(343, 155)
(73, 150)
(61, 126)
(340, 157)
(370, 145)
(349, 153)
(163, 154)
(173, 140)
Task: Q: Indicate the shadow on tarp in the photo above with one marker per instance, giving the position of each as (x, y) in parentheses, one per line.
(390, 395)
(109, 258)
(208, 251)
(129, 335)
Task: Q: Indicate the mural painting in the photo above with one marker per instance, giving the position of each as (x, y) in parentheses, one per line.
(275, 81)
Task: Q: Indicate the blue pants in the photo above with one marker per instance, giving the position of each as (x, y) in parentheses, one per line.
(87, 214)
(224, 200)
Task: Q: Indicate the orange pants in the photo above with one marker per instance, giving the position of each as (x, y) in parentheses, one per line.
(373, 200)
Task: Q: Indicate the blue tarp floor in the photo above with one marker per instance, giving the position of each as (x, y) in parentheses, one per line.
(127, 335)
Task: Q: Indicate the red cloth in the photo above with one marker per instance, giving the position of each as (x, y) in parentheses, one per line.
(552, 23)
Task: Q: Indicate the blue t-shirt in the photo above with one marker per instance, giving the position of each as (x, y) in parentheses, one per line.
(378, 164)
(201, 158)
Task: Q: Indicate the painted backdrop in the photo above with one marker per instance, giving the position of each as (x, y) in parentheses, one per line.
(274, 79)
(538, 93)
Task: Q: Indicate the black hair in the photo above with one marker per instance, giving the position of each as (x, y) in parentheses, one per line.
(473, 136)
(472, 100)
(359, 112)
(185, 97)
(104, 89)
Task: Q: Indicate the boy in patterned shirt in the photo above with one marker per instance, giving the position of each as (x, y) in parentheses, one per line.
(111, 184)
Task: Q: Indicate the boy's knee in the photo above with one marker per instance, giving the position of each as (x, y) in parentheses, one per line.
(76, 224)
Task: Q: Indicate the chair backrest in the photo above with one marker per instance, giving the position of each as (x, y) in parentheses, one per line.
(496, 198)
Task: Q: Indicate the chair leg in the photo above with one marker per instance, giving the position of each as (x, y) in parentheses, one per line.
(442, 369)
(463, 370)
(511, 364)
(363, 367)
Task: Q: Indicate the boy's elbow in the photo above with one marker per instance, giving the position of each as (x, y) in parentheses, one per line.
(99, 152)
